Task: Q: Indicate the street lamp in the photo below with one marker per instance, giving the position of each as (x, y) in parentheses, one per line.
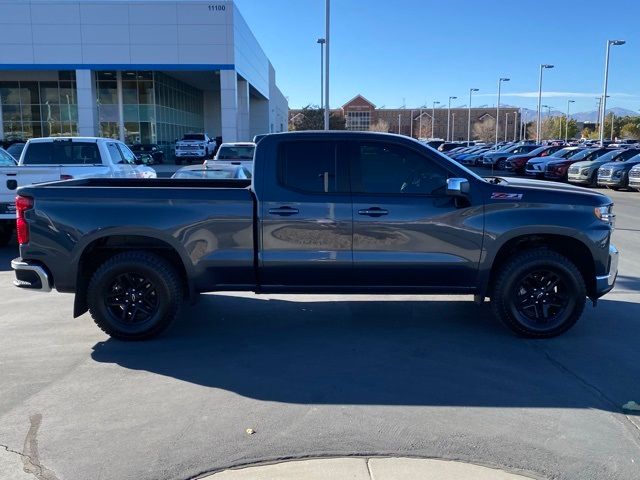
(548, 111)
(500, 80)
(566, 126)
(471, 90)
(515, 125)
(321, 41)
(448, 115)
(399, 122)
(542, 67)
(606, 81)
(506, 123)
(327, 18)
(411, 127)
(433, 117)
(453, 125)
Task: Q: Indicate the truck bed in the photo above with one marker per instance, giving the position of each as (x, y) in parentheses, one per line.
(152, 183)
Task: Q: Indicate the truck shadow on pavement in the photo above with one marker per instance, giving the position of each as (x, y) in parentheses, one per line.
(7, 254)
(439, 353)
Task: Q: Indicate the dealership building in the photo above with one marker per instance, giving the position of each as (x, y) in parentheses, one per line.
(138, 70)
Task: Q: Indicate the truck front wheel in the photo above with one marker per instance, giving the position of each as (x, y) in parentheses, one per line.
(134, 295)
(538, 294)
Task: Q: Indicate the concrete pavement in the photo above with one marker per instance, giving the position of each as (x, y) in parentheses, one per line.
(366, 469)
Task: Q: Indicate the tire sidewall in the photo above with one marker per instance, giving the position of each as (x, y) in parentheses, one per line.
(99, 287)
(567, 276)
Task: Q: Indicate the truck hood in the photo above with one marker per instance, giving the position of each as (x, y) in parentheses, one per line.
(529, 184)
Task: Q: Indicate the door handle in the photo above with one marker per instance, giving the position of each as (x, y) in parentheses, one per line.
(373, 212)
(285, 211)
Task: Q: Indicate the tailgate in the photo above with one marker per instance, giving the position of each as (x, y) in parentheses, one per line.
(13, 177)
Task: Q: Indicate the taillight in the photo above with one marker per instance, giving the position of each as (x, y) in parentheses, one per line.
(22, 227)
(66, 177)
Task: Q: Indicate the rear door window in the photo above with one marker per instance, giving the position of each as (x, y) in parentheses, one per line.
(310, 167)
(62, 153)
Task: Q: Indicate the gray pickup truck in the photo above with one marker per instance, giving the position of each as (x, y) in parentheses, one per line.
(325, 212)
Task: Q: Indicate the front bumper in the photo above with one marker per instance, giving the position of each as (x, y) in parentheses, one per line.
(604, 283)
(31, 275)
(581, 179)
(611, 182)
(553, 175)
(634, 183)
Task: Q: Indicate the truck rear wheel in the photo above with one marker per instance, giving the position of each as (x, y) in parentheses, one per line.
(538, 294)
(134, 295)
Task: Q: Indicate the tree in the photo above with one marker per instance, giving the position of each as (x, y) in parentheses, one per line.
(485, 130)
(380, 126)
(630, 131)
(311, 117)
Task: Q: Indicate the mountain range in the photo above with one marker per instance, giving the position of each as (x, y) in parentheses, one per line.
(592, 116)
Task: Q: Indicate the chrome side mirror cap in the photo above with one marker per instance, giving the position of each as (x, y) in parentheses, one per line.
(457, 187)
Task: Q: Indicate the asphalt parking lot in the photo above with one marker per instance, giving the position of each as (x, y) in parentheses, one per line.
(317, 376)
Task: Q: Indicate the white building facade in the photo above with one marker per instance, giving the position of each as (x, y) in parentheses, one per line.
(142, 71)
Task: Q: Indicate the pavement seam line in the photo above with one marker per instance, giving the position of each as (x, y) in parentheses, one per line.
(367, 460)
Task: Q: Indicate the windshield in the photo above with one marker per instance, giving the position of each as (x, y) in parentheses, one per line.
(581, 155)
(193, 136)
(6, 160)
(236, 153)
(615, 155)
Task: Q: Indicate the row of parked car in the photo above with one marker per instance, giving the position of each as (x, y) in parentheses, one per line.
(615, 166)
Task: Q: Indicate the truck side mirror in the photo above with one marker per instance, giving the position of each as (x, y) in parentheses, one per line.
(457, 187)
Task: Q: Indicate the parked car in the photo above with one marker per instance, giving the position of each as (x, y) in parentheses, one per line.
(518, 163)
(498, 158)
(236, 153)
(386, 214)
(7, 198)
(213, 172)
(615, 175)
(447, 146)
(558, 169)
(15, 149)
(63, 158)
(151, 150)
(586, 172)
(535, 167)
(194, 147)
(474, 158)
(471, 150)
(634, 177)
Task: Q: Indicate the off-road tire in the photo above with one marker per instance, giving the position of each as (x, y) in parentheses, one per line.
(158, 272)
(507, 286)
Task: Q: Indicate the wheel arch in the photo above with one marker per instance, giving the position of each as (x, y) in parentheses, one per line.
(572, 248)
(96, 251)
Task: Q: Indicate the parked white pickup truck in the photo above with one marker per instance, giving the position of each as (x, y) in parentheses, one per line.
(63, 158)
(194, 146)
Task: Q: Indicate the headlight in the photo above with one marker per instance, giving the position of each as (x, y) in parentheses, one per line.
(584, 172)
(616, 173)
(605, 213)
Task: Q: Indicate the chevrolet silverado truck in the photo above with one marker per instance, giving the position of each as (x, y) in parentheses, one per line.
(324, 213)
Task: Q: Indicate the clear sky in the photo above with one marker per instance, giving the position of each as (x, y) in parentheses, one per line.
(412, 52)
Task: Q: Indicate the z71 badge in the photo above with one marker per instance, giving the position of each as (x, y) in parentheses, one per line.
(506, 196)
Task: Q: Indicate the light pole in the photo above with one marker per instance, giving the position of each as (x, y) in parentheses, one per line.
(453, 125)
(321, 41)
(515, 126)
(420, 124)
(399, 121)
(548, 112)
(327, 22)
(500, 80)
(612, 118)
(566, 126)
(411, 127)
(506, 123)
(433, 116)
(448, 115)
(542, 67)
(471, 90)
(606, 81)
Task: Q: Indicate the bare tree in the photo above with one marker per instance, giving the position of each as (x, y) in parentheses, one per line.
(485, 130)
(380, 126)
